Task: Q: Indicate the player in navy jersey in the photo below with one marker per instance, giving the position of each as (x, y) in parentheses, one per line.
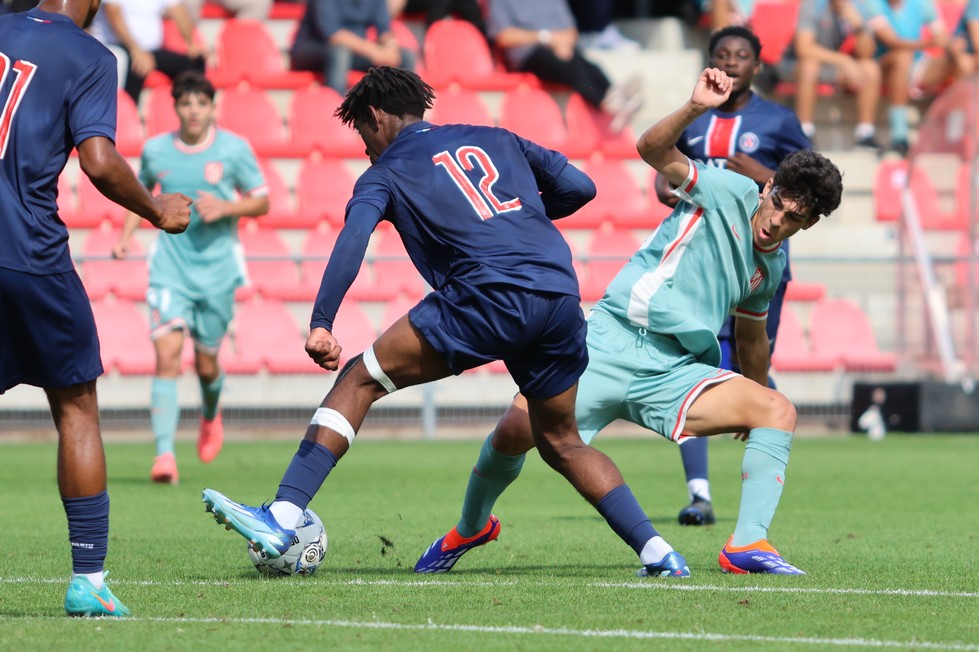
(473, 206)
(752, 136)
(58, 92)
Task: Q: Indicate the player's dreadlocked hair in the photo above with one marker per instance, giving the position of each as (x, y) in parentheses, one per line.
(393, 90)
(811, 180)
(737, 31)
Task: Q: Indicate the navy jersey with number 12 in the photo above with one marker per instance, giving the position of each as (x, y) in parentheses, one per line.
(472, 211)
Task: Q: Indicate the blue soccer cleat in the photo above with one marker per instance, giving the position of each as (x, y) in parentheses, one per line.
(672, 565)
(83, 600)
(442, 555)
(698, 512)
(256, 524)
(757, 557)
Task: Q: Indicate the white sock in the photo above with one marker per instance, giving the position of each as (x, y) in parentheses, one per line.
(864, 130)
(809, 129)
(699, 487)
(97, 579)
(286, 514)
(654, 550)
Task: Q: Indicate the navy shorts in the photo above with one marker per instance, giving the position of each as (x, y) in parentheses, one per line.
(49, 337)
(540, 336)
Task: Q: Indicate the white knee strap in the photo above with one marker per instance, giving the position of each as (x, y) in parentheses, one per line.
(374, 369)
(329, 418)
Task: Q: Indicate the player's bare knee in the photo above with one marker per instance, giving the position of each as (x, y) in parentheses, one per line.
(779, 412)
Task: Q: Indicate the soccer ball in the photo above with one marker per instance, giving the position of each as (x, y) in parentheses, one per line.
(304, 555)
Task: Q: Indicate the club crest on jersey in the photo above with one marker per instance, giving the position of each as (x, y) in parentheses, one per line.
(756, 279)
(748, 142)
(213, 172)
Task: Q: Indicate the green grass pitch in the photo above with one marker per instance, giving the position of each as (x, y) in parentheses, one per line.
(888, 532)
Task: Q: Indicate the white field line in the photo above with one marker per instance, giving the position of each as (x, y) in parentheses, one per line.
(677, 586)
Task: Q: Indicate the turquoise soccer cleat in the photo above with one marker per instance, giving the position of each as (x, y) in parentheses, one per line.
(83, 600)
(256, 524)
(672, 565)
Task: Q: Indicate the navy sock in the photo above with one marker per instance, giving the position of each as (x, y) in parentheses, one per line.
(88, 531)
(624, 515)
(694, 454)
(307, 471)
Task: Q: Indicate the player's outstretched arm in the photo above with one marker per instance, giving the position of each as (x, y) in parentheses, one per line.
(114, 178)
(657, 146)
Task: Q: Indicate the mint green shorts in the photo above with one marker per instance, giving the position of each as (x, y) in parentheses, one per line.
(205, 319)
(645, 378)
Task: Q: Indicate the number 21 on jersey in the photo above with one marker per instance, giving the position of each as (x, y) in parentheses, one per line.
(482, 199)
(25, 72)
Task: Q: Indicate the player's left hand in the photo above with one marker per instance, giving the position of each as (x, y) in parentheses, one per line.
(712, 90)
(209, 207)
(749, 166)
(323, 348)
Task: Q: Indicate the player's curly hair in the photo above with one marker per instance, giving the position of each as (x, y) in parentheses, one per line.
(393, 90)
(191, 82)
(737, 31)
(811, 180)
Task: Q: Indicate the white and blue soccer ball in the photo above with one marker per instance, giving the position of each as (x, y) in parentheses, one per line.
(304, 555)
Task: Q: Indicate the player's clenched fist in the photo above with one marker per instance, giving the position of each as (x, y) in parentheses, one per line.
(323, 348)
(174, 213)
(712, 89)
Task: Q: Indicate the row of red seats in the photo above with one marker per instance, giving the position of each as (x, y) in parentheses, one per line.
(840, 337)
(894, 176)
(324, 186)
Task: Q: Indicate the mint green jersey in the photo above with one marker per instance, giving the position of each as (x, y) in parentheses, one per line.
(699, 266)
(206, 259)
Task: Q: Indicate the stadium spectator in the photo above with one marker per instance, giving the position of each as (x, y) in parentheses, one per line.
(64, 96)
(133, 30)
(832, 46)
(241, 9)
(541, 38)
(193, 278)
(752, 136)
(468, 10)
(652, 346)
(595, 26)
(488, 250)
(904, 30)
(332, 40)
(965, 38)
(725, 13)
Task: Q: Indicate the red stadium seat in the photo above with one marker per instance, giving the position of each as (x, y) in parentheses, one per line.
(271, 268)
(129, 127)
(316, 251)
(455, 51)
(589, 130)
(458, 105)
(841, 331)
(394, 273)
(323, 189)
(160, 116)
(251, 114)
(608, 251)
(619, 199)
(792, 349)
(282, 212)
(314, 128)
(534, 114)
(353, 330)
(247, 52)
(930, 211)
(396, 309)
(774, 22)
(124, 338)
(267, 331)
(802, 291)
(174, 41)
(67, 209)
(889, 183)
(127, 279)
(963, 194)
(94, 207)
(658, 211)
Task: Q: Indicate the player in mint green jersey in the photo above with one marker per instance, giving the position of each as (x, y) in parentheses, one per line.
(652, 339)
(193, 278)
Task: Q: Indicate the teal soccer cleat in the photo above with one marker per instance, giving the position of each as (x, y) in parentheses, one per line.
(83, 600)
(672, 565)
(256, 524)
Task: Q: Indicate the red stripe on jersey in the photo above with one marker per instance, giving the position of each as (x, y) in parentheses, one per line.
(742, 311)
(693, 179)
(722, 136)
(696, 218)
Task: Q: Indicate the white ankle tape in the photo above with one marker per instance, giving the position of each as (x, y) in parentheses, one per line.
(374, 369)
(329, 418)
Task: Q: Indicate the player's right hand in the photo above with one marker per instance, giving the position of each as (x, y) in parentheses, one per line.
(323, 348)
(120, 250)
(174, 213)
(712, 90)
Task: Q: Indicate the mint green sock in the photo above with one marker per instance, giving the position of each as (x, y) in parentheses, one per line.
(164, 413)
(492, 474)
(762, 476)
(897, 116)
(210, 394)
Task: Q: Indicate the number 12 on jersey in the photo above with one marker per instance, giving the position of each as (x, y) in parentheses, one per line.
(25, 72)
(482, 199)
